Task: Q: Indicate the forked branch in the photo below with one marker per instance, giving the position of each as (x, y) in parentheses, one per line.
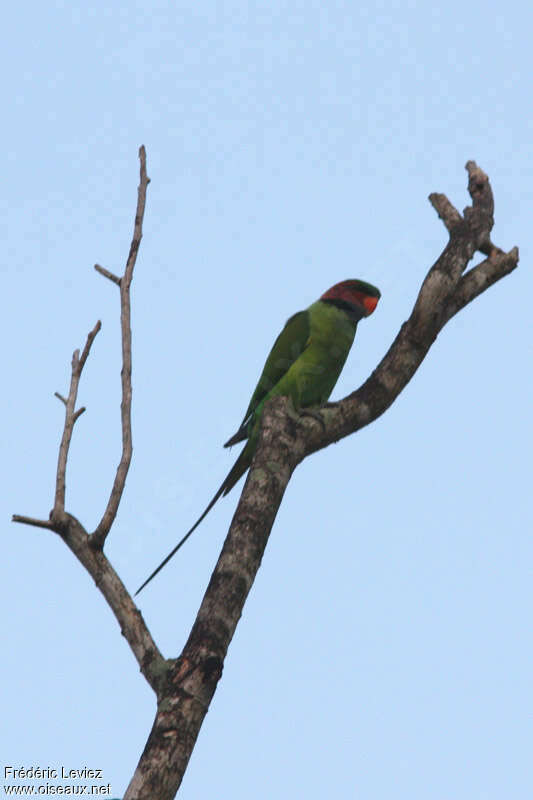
(88, 549)
(99, 536)
(70, 418)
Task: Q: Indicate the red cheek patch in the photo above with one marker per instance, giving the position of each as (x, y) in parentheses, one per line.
(370, 303)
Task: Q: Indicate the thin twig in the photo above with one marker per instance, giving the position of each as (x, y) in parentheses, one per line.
(88, 344)
(37, 523)
(70, 418)
(99, 536)
(107, 274)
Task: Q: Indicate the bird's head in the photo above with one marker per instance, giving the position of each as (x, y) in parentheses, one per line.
(358, 298)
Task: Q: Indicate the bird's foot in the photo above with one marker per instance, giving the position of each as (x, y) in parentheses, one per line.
(315, 413)
(296, 415)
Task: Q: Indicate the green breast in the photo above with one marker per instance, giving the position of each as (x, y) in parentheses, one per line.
(311, 378)
(331, 337)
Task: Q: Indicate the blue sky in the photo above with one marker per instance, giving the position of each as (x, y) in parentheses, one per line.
(386, 646)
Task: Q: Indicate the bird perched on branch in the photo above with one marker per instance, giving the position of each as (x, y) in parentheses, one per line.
(303, 365)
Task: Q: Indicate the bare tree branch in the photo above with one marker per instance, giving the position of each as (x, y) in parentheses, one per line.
(79, 412)
(152, 664)
(105, 272)
(446, 211)
(132, 625)
(99, 536)
(283, 443)
(475, 281)
(70, 417)
(37, 523)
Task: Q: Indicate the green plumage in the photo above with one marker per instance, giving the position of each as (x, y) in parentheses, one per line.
(303, 365)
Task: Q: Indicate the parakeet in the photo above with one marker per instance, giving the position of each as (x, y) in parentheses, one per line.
(303, 365)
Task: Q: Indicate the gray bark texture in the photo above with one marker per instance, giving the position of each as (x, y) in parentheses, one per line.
(184, 686)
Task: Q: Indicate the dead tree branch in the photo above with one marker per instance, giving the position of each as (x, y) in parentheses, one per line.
(86, 548)
(70, 418)
(99, 536)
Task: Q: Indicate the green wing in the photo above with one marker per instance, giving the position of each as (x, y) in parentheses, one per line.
(289, 345)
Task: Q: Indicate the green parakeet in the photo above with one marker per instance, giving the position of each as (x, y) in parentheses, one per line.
(304, 365)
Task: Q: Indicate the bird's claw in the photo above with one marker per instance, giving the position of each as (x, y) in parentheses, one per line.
(315, 413)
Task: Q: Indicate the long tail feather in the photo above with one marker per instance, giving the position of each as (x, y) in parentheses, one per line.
(240, 436)
(238, 469)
